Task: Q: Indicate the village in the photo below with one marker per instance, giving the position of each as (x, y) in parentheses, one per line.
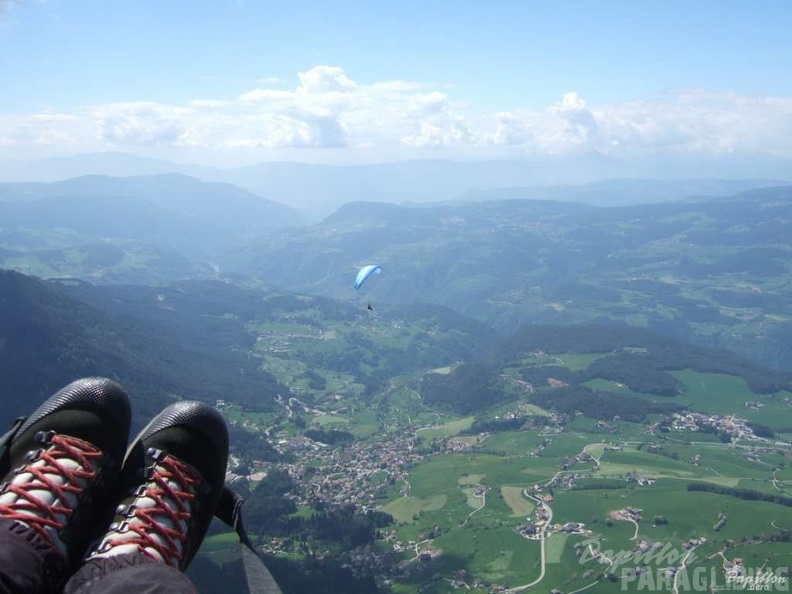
(734, 427)
(359, 473)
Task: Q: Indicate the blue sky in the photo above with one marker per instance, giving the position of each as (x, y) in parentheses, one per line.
(94, 64)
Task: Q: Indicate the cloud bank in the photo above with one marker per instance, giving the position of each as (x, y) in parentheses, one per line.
(328, 109)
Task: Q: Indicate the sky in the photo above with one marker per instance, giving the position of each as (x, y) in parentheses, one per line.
(234, 82)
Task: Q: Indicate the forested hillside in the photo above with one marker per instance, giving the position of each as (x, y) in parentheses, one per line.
(636, 359)
(713, 271)
(49, 338)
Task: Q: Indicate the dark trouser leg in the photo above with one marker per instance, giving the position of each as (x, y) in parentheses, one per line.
(130, 572)
(27, 564)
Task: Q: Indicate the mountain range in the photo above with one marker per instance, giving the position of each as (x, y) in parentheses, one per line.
(710, 269)
(716, 270)
(133, 229)
(316, 190)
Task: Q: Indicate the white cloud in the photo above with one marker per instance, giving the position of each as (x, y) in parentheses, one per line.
(327, 108)
(208, 103)
(315, 132)
(572, 101)
(433, 136)
(263, 95)
(511, 130)
(325, 79)
(688, 121)
(141, 124)
(6, 11)
(53, 117)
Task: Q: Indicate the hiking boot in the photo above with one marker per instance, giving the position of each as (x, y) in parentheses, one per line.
(57, 467)
(172, 480)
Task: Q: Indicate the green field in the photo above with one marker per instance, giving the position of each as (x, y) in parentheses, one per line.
(726, 394)
(448, 429)
(575, 362)
(513, 442)
(329, 420)
(689, 514)
(405, 508)
(496, 554)
(219, 542)
(471, 479)
(518, 504)
(555, 547)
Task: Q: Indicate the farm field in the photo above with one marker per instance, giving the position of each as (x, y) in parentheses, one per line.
(485, 543)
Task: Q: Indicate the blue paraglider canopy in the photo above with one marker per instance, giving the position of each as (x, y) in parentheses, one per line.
(366, 272)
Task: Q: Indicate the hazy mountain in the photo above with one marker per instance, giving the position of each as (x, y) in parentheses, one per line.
(153, 228)
(318, 190)
(714, 269)
(116, 261)
(214, 201)
(624, 192)
(107, 163)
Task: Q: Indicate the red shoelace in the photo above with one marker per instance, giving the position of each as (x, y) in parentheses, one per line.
(27, 508)
(168, 469)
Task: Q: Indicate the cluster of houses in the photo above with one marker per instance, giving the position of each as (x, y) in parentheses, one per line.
(735, 427)
(582, 457)
(693, 542)
(537, 451)
(566, 481)
(281, 342)
(639, 480)
(608, 426)
(343, 475)
(457, 445)
(347, 475)
(734, 568)
(630, 513)
(534, 528)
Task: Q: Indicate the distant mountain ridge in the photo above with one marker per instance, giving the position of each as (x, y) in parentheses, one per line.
(624, 192)
(171, 225)
(173, 192)
(316, 190)
(717, 269)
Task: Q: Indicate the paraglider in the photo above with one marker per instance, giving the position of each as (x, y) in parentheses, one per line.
(363, 275)
(366, 272)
